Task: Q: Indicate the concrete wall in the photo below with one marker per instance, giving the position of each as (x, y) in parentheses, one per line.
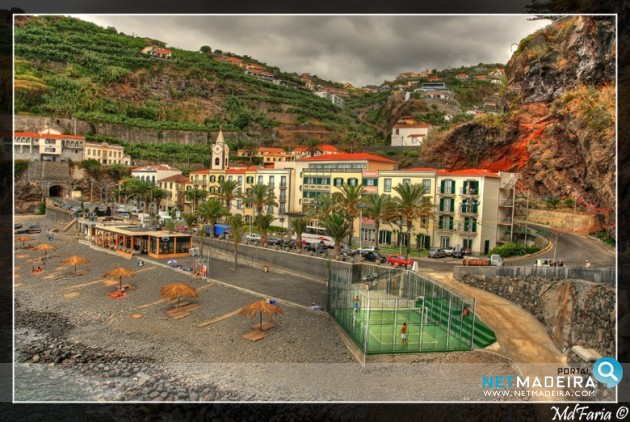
(256, 256)
(575, 312)
(58, 215)
(562, 220)
(594, 275)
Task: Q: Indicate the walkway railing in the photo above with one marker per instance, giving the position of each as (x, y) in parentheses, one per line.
(595, 275)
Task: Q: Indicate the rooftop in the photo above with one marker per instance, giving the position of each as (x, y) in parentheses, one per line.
(468, 172)
(358, 156)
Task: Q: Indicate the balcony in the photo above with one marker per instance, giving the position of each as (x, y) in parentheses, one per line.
(506, 221)
(469, 192)
(449, 229)
(506, 202)
(315, 187)
(445, 191)
(283, 199)
(464, 231)
(445, 211)
(466, 210)
(283, 186)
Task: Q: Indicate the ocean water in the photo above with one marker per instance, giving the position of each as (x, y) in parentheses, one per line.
(40, 382)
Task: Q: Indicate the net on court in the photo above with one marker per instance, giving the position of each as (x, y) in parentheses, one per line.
(401, 311)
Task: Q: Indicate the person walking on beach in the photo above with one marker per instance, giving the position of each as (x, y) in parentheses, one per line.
(355, 304)
(403, 333)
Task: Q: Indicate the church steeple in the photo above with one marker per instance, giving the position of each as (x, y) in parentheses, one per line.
(220, 153)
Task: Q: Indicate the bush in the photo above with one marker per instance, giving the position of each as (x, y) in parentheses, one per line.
(20, 167)
(41, 208)
(508, 250)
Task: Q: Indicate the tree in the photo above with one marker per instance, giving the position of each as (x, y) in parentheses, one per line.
(263, 223)
(190, 220)
(298, 225)
(347, 199)
(118, 171)
(228, 191)
(157, 195)
(378, 208)
(195, 195)
(250, 148)
(237, 231)
(211, 211)
(338, 227)
(411, 204)
(260, 196)
(205, 49)
(352, 142)
(552, 202)
(312, 146)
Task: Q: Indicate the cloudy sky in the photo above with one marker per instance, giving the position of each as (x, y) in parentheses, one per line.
(361, 50)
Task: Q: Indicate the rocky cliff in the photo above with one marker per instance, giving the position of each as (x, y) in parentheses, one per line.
(559, 132)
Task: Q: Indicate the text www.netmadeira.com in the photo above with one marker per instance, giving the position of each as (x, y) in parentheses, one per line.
(519, 394)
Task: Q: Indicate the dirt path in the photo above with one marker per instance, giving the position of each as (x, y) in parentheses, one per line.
(520, 336)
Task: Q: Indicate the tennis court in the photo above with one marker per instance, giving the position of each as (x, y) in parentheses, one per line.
(373, 313)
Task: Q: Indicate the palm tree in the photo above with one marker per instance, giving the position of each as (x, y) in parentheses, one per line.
(238, 228)
(352, 142)
(298, 225)
(378, 208)
(190, 220)
(228, 191)
(195, 195)
(338, 227)
(261, 195)
(348, 197)
(263, 222)
(211, 211)
(251, 148)
(312, 145)
(157, 195)
(411, 205)
(322, 207)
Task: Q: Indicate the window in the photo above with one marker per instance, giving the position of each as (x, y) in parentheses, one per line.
(338, 181)
(170, 185)
(230, 177)
(271, 181)
(240, 180)
(427, 184)
(212, 189)
(260, 180)
(239, 204)
(270, 209)
(406, 182)
(282, 209)
(217, 161)
(213, 179)
(250, 179)
(352, 181)
(89, 152)
(283, 180)
(448, 186)
(388, 185)
(221, 179)
(369, 182)
(204, 179)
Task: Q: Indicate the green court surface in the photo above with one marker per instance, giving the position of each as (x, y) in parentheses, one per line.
(384, 333)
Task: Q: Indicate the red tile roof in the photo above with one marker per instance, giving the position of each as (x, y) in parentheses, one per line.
(178, 178)
(462, 74)
(469, 172)
(322, 147)
(241, 170)
(349, 157)
(480, 76)
(48, 135)
(162, 51)
(434, 78)
(271, 150)
(435, 92)
(413, 126)
(27, 134)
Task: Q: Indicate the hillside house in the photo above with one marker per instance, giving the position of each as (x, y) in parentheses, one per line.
(408, 132)
(462, 77)
(154, 50)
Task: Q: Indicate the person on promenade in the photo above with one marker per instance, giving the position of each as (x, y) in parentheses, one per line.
(355, 304)
(465, 311)
(403, 333)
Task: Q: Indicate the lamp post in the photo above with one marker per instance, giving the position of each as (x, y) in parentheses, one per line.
(555, 247)
(361, 207)
(472, 203)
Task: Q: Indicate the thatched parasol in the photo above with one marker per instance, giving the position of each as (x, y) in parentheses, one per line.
(23, 239)
(177, 291)
(75, 260)
(261, 307)
(119, 273)
(45, 247)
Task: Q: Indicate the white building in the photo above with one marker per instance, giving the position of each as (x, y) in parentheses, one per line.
(408, 133)
(154, 172)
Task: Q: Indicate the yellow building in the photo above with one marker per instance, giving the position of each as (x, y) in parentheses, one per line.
(174, 186)
(266, 155)
(105, 153)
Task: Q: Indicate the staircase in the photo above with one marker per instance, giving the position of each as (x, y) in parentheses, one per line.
(70, 224)
(437, 312)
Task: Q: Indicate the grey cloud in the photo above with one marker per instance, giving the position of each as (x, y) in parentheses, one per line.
(358, 49)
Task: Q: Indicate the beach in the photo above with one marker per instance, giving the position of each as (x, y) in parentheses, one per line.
(131, 349)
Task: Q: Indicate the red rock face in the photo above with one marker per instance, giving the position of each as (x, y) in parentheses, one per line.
(560, 133)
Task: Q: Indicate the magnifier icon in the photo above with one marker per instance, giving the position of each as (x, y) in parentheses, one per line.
(607, 374)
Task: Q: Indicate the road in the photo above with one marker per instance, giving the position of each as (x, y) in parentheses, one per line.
(572, 249)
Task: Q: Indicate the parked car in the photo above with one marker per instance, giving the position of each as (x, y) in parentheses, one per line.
(253, 237)
(457, 252)
(365, 249)
(17, 226)
(448, 251)
(437, 253)
(400, 260)
(288, 244)
(33, 229)
(373, 256)
(273, 241)
(345, 251)
(124, 215)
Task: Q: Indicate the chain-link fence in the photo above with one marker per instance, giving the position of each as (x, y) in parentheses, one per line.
(388, 310)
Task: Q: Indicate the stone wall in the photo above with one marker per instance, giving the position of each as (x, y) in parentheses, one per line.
(575, 312)
(596, 275)
(57, 214)
(256, 256)
(126, 133)
(567, 221)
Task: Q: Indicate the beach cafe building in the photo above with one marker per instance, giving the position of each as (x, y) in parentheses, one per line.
(131, 240)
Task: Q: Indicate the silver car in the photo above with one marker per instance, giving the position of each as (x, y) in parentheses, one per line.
(437, 253)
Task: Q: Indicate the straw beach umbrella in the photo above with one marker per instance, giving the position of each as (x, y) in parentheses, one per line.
(261, 307)
(119, 273)
(23, 239)
(45, 247)
(75, 260)
(177, 291)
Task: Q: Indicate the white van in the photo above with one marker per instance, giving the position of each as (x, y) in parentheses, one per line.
(543, 262)
(121, 208)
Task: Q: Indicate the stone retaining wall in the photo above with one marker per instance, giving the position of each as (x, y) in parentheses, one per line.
(58, 215)
(595, 275)
(575, 312)
(311, 266)
(567, 221)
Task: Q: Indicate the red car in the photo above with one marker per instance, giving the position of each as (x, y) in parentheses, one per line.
(400, 260)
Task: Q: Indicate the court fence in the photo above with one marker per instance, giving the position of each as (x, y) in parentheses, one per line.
(375, 306)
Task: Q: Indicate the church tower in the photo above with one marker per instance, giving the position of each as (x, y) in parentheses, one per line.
(220, 153)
